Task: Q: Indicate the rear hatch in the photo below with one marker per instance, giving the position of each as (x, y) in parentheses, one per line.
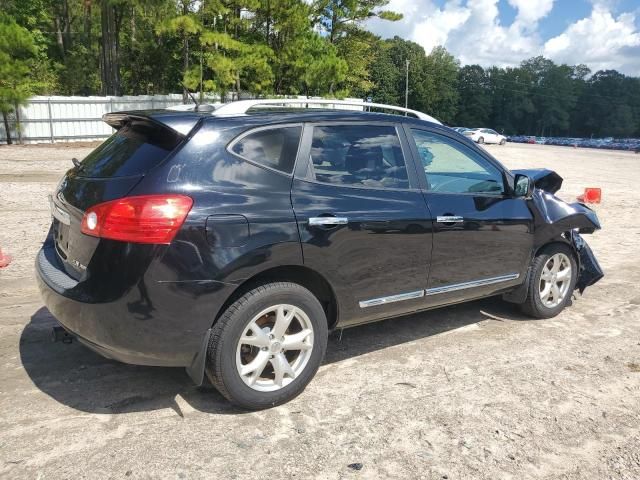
(111, 171)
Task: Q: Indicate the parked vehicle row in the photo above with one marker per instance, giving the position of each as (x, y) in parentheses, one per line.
(231, 241)
(630, 144)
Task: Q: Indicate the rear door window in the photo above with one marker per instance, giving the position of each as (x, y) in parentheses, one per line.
(358, 156)
(274, 147)
(134, 149)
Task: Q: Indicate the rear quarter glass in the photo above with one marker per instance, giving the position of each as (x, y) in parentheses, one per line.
(133, 150)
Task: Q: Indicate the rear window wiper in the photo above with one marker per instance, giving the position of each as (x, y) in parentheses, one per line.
(77, 164)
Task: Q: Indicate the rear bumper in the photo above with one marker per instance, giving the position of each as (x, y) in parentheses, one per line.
(148, 323)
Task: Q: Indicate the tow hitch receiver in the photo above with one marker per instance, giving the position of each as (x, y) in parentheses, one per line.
(59, 334)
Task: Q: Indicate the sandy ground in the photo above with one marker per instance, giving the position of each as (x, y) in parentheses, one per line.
(472, 391)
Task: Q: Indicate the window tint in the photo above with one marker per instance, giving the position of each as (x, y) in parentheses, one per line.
(358, 155)
(453, 168)
(133, 150)
(275, 148)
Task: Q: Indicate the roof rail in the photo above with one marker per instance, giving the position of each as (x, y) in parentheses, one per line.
(241, 107)
(192, 107)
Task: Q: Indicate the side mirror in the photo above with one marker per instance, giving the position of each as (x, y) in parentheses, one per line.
(523, 186)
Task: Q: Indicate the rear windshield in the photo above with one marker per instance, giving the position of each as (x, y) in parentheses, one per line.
(133, 150)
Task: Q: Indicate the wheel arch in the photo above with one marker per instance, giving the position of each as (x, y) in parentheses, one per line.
(519, 294)
(560, 240)
(304, 276)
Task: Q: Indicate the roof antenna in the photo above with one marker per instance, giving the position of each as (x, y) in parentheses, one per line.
(199, 106)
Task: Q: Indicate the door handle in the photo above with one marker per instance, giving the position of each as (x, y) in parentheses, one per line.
(449, 219)
(327, 221)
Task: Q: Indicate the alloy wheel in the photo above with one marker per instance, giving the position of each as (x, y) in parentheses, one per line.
(555, 280)
(274, 348)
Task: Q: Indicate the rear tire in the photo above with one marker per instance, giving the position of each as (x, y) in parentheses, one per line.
(553, 278)
(503, 141)
(481, 140)
(267, 346)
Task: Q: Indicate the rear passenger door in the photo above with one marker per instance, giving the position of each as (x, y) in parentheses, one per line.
(362, 219)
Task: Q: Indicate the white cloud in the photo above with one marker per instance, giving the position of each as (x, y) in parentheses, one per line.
(601, 40)
(471, 30)
(530, 11)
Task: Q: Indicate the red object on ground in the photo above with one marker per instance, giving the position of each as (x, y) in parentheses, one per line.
(591, 195)
(5, 259)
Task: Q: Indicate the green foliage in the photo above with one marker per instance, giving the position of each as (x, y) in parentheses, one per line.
(440, 91)
(474, 102)
(18, 54)
(338, 17)
(356, 49)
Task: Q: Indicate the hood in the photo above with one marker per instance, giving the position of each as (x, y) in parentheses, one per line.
(544, 179)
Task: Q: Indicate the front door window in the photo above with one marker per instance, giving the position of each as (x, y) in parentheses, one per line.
(451, 167)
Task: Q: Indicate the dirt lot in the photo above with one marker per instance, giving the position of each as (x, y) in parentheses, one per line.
(473, 391)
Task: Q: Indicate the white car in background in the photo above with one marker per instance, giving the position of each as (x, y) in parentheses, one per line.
(485, 135)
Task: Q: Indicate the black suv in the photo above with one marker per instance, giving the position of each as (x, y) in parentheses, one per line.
(231, 242)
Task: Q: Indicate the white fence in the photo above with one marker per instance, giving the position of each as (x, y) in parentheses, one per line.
(55, 119)
(63, 119)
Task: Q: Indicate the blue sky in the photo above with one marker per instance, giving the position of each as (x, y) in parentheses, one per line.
(604, 34)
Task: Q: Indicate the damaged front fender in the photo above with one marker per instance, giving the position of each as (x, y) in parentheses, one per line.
(557, 220)
(553, 216)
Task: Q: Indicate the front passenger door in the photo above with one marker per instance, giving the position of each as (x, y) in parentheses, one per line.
(482, 235)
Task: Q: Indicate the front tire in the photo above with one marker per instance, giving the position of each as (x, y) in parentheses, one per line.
(481, 140)
(267, 346)
(553, 278)
(503, 141)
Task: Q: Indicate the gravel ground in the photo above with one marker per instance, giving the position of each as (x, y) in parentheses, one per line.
(471, 391)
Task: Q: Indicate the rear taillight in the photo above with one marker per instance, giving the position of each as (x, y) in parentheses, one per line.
(140, 219)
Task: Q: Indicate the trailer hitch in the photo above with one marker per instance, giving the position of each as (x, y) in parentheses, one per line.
(59, 334)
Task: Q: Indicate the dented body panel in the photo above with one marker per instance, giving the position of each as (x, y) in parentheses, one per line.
(558, 221)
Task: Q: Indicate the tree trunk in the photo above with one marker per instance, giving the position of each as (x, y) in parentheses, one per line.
(268, 15)
(117, 24)
(185, 55)
(185, 66)
(334, 21)
(67, 25)
(133, 25)
(18, 125)
(87, 21)
(109, 46)
(201, 76)
(6, 127)
(59, 39)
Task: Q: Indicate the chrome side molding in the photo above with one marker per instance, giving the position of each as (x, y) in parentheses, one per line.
(437, 290)
(391, 299)
(472, 284)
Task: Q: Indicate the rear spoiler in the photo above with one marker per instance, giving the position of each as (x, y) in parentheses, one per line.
(177, 122)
